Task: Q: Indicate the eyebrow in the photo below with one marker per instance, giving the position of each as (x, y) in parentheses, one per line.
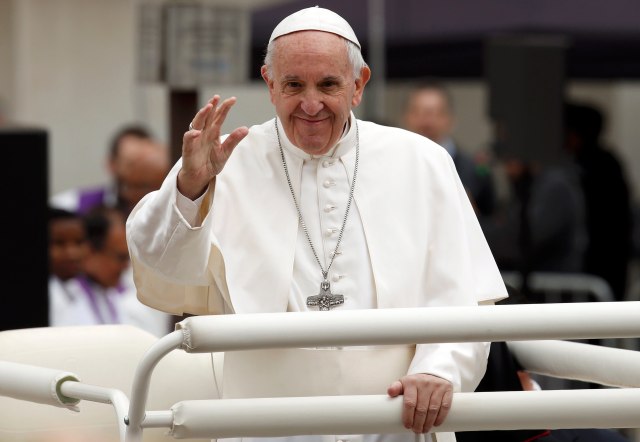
(296, 78)
(332, 78)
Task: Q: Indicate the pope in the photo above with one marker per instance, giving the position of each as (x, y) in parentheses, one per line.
(318, 210)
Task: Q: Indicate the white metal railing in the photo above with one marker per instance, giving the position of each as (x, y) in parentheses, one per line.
(597, 408)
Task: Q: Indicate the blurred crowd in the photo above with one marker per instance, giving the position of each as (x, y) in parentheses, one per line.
(90, 280)
(572, 216)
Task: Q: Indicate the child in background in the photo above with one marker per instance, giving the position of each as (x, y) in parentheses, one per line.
(68, 247)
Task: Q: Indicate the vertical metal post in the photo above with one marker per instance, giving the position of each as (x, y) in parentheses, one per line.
(375, 102)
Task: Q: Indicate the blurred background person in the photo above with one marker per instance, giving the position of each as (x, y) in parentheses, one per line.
(68, 247)
(606, 193)
(554, 222)
(429, 112)
(137, 165)
(101, 294)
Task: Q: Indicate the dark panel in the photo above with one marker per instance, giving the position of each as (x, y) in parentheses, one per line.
(526, 90)
(183, 105)
(24, 254)
(589, 56)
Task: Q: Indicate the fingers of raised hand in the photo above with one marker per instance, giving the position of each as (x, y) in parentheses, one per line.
(216, 117)
(233, 139)
(198, 121)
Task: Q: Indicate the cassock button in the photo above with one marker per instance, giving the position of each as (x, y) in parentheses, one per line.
(336, 278)
(331, 231)
(328, 184)
(329, 207)
(327, 163)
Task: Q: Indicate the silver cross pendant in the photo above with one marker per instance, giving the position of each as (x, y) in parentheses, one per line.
(325, 300)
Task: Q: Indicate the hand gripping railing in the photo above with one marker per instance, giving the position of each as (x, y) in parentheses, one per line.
(594, 408)
(379, 414)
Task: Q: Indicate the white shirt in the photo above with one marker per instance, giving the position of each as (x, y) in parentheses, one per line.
(325, 186)
(79, 301)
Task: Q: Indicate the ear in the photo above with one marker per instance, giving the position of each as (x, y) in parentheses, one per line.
(111, 166)
(270, 84)
(361, 81)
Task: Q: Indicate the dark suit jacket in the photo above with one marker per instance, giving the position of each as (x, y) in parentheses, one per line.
(477, 179)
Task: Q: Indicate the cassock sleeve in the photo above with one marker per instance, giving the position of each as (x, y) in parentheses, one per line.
(172, 258)
(461, 271)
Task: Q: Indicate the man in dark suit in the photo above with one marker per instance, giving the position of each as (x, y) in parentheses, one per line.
(429, 112)
(606, 193)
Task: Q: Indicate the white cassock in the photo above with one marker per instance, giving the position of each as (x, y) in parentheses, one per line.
(411, 240)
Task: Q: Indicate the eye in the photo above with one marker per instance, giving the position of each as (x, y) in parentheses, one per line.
(329, 84)
(291, 86)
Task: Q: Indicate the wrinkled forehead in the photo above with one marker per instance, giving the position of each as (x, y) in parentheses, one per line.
(311, 54)
(315, 49)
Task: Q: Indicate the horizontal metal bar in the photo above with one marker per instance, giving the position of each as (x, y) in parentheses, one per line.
(35, 384)
(588, 320)
(158, 419)
(276, 417)
(614, 367)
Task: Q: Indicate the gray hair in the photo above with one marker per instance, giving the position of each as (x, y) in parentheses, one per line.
(353, 54)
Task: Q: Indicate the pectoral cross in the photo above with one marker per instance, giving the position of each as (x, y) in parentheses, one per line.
(325, 300)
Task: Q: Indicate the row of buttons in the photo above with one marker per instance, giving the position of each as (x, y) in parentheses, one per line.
(329, 208)
(336, 278)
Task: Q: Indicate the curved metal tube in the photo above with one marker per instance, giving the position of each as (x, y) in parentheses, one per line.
(142, 379)
(103, 395)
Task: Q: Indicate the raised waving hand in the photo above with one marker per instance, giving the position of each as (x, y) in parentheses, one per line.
(203, 154)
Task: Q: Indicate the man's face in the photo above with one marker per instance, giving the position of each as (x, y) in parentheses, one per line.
(313, 88)
(428, 114)
(140, 168)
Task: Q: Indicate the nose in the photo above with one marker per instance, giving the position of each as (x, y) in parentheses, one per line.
(312, 102)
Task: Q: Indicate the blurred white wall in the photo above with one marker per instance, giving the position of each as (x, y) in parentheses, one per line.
(253, 105)
(6, 55)
(70, 66)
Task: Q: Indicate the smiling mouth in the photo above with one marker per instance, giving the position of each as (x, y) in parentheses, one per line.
(313, 122)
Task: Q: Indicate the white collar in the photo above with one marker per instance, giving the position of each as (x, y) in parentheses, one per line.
(344, 145)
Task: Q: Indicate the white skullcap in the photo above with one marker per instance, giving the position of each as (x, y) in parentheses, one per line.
(315, 19)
